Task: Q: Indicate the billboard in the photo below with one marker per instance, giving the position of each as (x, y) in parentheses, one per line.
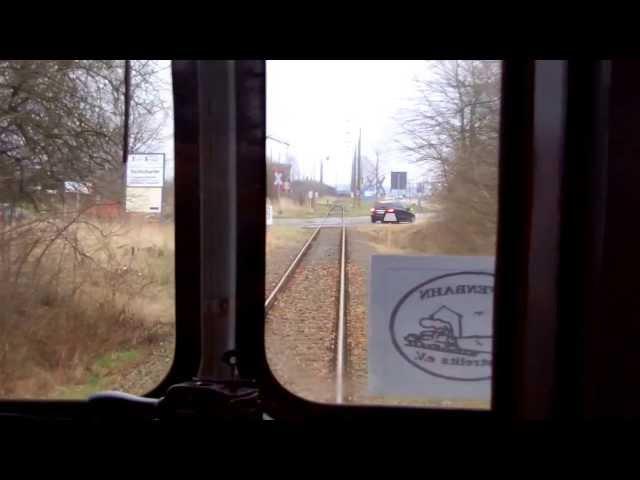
(145, 170)
(145, 180)
(398, 180)
(144, 199)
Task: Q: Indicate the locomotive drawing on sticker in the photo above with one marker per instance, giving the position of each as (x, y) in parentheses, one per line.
(443, 326)
(439, 334)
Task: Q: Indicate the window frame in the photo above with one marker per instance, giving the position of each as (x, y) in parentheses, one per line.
(532, 376)
(512, 269)
(186, 356)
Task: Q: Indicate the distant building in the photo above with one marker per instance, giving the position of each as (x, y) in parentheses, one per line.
(343, 190)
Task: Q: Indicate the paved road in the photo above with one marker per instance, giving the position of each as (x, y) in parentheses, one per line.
(364, 220)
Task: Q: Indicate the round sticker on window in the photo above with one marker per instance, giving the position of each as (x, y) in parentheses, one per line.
(444, 326)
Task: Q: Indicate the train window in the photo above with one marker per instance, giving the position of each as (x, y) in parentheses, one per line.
(381, 210)
(86, 241)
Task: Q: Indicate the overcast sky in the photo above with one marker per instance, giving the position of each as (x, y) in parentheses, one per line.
(318, 106)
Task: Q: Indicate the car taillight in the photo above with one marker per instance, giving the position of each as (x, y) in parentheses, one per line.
(391, 210)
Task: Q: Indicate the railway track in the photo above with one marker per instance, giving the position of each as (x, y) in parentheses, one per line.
(321, 308)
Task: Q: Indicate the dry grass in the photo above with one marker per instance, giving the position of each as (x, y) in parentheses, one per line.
(284, 236)
(283, 243)
(288, 208)
(99, 288)
(433, 238)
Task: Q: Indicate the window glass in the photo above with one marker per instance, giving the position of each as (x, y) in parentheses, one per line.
(86, 243)
(382, 181)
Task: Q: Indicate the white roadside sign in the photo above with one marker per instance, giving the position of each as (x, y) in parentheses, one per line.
(430, 327)
(145, 170)
(144, 200)
(77, 187)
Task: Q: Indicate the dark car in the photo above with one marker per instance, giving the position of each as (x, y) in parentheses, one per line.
(393, 212)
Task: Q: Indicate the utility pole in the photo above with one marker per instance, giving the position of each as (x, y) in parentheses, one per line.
(353, 177)
(359, 169)
(377, 173)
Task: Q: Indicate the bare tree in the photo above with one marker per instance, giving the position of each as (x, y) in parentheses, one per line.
(60, 121)
(373, 174)
(295, 166)
(453, 131)
(69, 282)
